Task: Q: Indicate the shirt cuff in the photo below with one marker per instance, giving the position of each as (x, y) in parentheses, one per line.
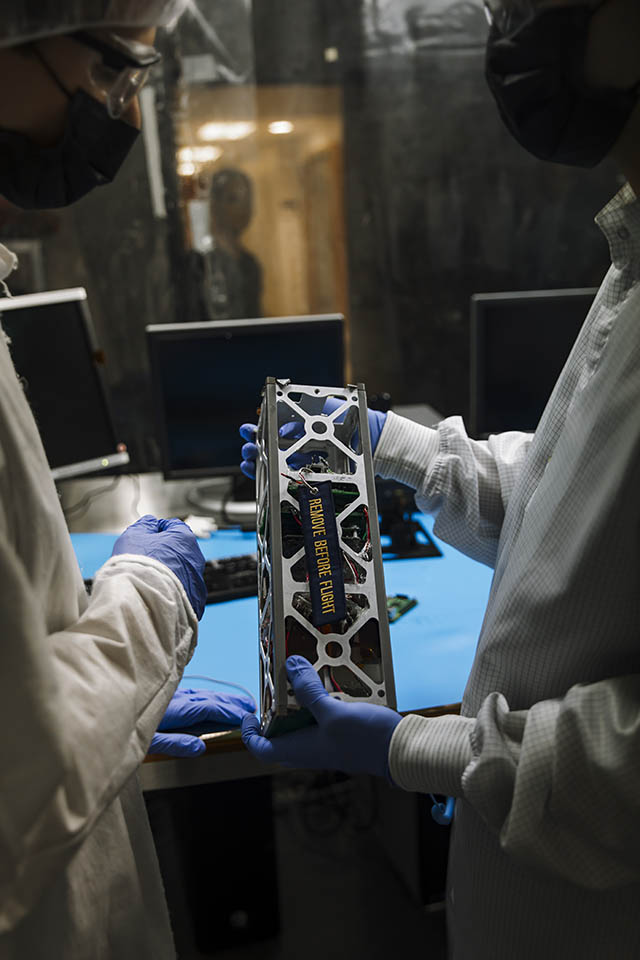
(129, 562)
(429, 755)
(406, 450)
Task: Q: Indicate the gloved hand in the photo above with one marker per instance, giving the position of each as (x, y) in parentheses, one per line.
(173, 543)
(191, 707)
(352, 737)
(293, 430)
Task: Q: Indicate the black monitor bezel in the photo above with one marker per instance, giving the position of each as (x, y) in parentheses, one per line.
(157, 333)
(479, 308)
(77, 296)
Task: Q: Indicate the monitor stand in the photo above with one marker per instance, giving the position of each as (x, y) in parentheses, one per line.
(230, 500)
(396, 508)
(404, 533)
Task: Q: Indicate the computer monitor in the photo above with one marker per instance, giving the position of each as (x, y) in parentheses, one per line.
(207, 380)
(519, 344)
(54, 351)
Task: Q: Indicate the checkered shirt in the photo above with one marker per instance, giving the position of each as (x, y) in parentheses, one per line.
(545, 757)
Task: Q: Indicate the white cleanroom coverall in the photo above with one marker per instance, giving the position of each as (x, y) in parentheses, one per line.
(545, 758)
(83, 685)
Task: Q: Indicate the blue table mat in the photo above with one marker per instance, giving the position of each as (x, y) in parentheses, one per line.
(433, 645)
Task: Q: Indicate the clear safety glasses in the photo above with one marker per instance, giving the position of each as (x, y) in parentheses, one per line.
(507, 16)
(120, 69)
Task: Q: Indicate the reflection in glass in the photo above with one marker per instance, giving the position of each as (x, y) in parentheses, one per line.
(264, 219)
(227, 276)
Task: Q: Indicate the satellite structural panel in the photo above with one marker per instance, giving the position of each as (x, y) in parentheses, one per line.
(321, 589)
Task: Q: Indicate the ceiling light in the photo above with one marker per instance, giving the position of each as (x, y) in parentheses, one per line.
(186, 169)
(226, 131)
(199, 154)
(280, 126)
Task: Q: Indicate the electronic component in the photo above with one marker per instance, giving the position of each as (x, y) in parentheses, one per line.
(321, 587)
(399, 605)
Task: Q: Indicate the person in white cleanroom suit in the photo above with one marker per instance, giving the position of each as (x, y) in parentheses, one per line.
(544, 761)
(83, 684)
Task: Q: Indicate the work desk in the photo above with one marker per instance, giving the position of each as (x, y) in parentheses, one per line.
(432, 645)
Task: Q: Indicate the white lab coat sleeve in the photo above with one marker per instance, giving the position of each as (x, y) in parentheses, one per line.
(78, 710)
(558, 783)
(464, 483)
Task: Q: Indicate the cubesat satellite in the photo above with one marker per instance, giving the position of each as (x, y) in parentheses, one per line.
(320, 583)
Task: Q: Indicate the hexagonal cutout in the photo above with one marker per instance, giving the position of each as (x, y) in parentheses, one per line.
(299, 641)
(356, 605)
(355, 531)
(365, 650)
(322, 454)
(292, 536)
(345, 681)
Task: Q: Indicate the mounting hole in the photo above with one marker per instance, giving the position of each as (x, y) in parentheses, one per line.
(318, 426)
(317, 390)
(278, 393)
(381, 693)
(355, 399)
(333, 649)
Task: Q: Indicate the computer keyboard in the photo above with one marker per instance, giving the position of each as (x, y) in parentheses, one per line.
(228, 578)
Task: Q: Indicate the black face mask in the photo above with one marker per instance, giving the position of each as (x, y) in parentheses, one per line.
(90, 153)
(537, 78)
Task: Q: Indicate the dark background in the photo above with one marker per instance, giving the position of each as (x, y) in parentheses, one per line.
(440, 202)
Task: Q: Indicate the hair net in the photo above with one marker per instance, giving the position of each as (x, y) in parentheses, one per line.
(23, 20)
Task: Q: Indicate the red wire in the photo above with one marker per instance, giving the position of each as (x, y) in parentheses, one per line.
(352, 567)
(366, 513)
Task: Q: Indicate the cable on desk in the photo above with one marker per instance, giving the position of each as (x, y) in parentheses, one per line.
(84, 503)
(135, 503)
(225, 683)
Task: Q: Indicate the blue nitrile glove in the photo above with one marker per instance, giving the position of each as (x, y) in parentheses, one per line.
(377, 421)
(188, 708)
(293, 430)
(351, 737)
(249, 450)
(173, 543)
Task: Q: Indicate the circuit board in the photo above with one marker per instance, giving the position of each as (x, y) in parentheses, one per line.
(321, 589)
(398, 605)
